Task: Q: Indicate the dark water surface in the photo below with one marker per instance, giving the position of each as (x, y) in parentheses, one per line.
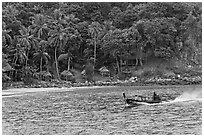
(103, 111)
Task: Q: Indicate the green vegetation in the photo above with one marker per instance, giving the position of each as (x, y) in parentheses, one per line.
(41, 40)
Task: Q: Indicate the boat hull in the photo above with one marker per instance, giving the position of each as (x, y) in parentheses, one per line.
(139, 102)
(149, 101)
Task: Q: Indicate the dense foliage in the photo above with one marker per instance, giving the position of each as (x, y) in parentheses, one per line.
(54, 37)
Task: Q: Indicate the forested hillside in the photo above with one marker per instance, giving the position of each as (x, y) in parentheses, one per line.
(49, 38)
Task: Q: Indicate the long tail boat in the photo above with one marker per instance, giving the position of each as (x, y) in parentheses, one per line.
(139, 99)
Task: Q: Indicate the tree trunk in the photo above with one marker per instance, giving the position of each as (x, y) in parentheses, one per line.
(14, 62)
(68, 63)
(56, 63)
(27, 59)
(41, 61)
(117, 63)
(140, 59)
(41, 77)
(94, 54)
(136, 63)
(47, 66)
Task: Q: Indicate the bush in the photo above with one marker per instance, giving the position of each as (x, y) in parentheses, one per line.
(148, 73)
(121, 76)
(151, 73)
(163, 52)
(5, 78)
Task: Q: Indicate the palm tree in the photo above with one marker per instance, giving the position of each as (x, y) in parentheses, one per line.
(19, 55)
(39, 26)
(95, 30)
(112, 45)
(41, 54)
(58, 38)
(5, 67)
(70, 34)
(63, 30)
(135, 43)
(10, 12)
(26, 40)
(5, 35)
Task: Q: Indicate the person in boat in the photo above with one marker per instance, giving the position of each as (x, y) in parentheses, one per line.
(127, 100)
(156, 97)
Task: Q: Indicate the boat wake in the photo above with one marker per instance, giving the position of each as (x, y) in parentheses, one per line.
(190, 95)
(195, 94)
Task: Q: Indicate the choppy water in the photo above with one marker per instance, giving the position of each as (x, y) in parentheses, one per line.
(103, 111)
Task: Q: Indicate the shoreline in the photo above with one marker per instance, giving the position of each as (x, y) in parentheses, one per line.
(19, 91)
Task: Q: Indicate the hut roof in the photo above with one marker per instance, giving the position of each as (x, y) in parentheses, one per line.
(63, 56)
(103, 69)
(47, 74)
(66, 73)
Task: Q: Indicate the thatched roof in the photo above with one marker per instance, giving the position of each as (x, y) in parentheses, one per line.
(63, 56)
(45, 74)
(66, 73)
(103, 69)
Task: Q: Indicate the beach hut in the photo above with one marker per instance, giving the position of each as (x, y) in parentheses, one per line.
(66, 74)
(45, 75)
(104, 71)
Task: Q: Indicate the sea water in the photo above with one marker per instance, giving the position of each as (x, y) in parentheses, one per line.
(103, 111)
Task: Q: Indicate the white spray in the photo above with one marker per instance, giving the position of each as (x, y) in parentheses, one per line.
(191, 94)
